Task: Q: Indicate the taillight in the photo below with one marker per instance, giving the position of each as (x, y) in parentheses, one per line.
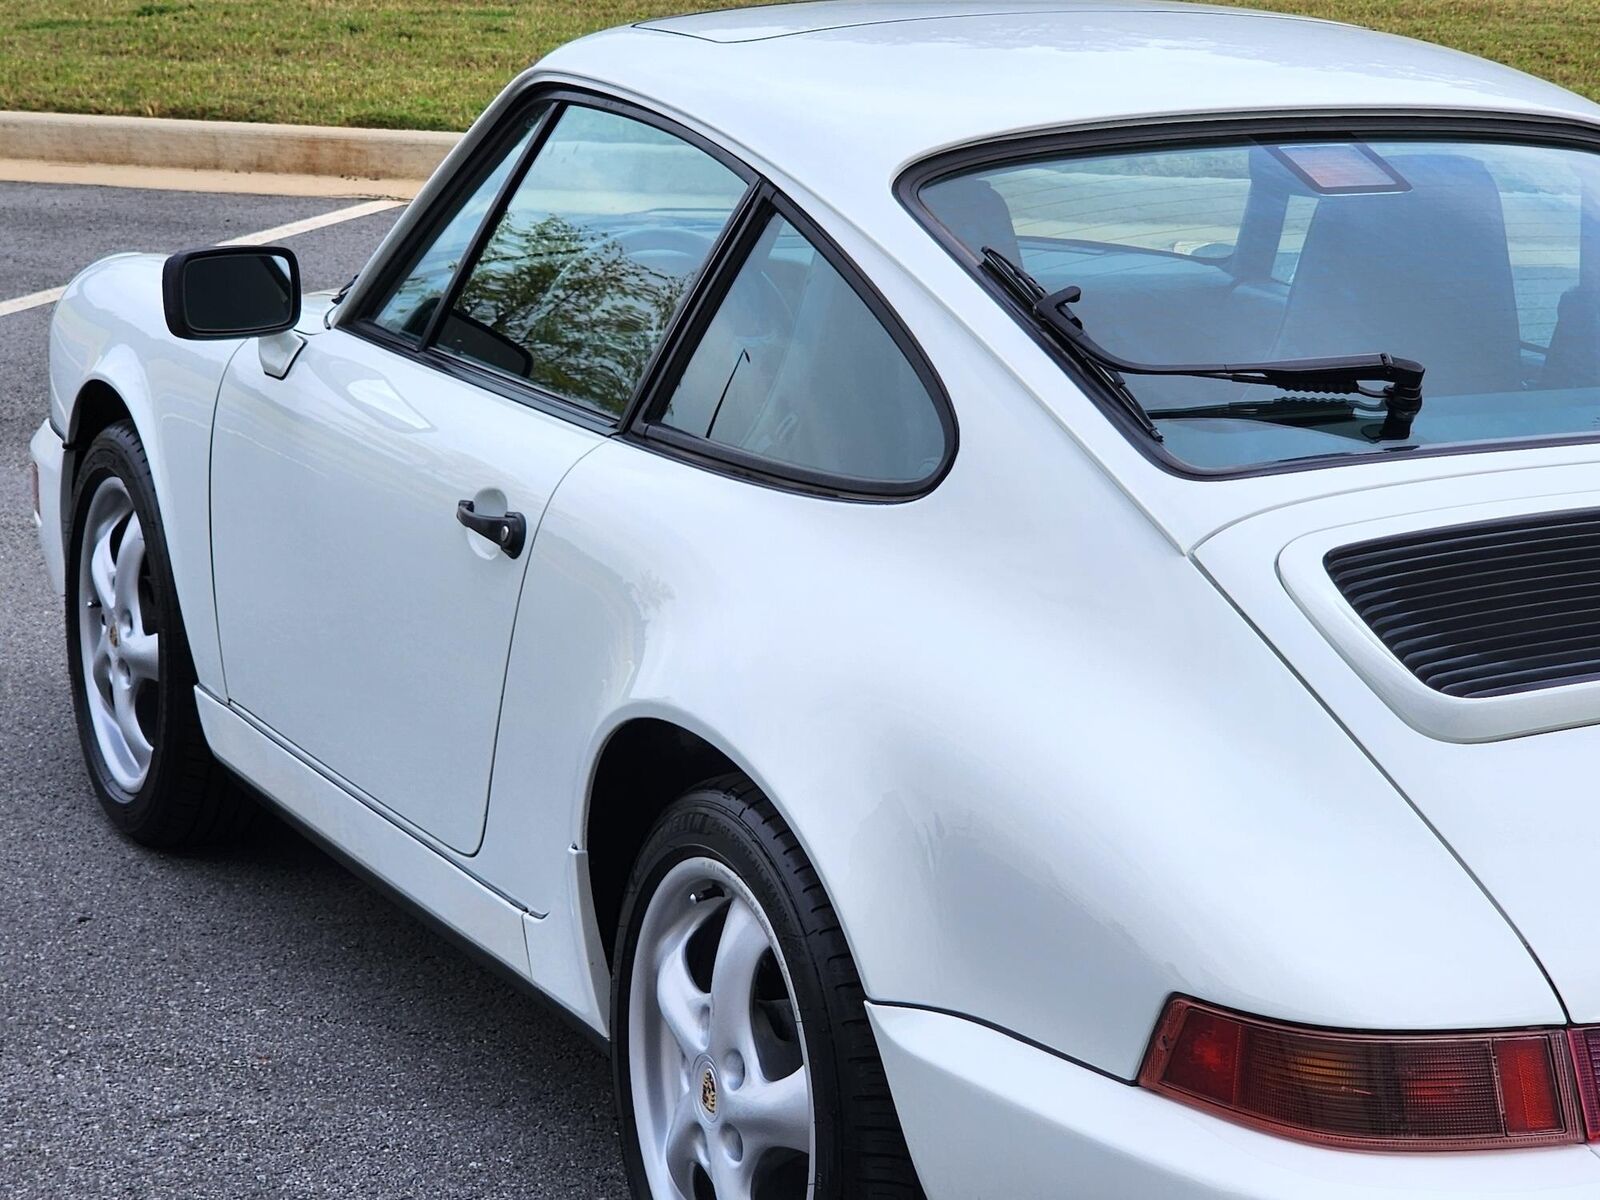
(1586, 1054)
(1374, 1091)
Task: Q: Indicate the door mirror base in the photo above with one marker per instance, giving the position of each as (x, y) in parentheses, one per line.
(279, 351)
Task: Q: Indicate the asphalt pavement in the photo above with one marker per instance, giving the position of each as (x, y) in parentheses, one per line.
(248, 1023)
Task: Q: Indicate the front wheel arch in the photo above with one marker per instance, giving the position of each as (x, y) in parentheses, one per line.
(177, 794)
(97, 407)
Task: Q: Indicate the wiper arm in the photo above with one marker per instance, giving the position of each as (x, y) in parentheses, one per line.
(1341, 375)
(1026, 289)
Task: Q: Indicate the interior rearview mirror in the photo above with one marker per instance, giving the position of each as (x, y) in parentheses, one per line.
(231, 292)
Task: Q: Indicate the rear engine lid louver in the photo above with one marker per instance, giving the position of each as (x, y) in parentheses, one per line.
(1490, 609)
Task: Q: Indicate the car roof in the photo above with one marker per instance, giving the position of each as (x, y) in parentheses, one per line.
(785, 20)
(841, 90)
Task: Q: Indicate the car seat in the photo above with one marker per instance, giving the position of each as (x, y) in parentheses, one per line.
(1422, 274)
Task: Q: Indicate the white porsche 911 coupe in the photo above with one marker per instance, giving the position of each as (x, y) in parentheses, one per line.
(1005, 600)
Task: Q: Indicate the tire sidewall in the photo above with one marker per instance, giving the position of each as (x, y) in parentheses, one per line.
(117, 452)
(710, 824)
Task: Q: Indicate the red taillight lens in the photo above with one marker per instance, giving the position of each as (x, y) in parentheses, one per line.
(1370, 1091)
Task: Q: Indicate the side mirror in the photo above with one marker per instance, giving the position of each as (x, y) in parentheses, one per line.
(231, 292)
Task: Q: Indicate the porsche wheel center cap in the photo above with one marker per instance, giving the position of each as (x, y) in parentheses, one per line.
(707, 1084)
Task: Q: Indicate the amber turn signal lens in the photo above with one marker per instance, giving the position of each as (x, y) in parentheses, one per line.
(1369, 1091)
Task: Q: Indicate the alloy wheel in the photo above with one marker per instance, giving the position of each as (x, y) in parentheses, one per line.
(118, 637)
(717, 1062)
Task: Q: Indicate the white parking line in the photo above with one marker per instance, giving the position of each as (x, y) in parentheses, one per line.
(365, 209)
(31, 300)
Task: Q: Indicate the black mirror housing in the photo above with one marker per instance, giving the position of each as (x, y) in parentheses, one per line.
(231, 292)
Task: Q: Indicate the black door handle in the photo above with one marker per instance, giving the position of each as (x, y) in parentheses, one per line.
(508, 532)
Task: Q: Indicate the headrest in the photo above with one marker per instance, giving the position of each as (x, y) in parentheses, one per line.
(978, 215)
(1425, 274)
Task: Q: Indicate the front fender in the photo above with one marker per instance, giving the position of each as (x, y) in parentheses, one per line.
(108, 329)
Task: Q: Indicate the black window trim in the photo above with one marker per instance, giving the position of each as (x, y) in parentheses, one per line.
(1487, 126)
(644, 427)
(683, 332)
(427, 352)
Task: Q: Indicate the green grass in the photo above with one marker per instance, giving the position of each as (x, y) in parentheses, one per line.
(433, 64)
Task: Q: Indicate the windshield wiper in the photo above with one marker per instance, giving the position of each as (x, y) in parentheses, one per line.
(1353, 419)
(1031, 294)
(1342, 375)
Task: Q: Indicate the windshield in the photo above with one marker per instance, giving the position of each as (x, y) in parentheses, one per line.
(1478, 260)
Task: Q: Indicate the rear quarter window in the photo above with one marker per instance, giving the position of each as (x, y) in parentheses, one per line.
(797, 372)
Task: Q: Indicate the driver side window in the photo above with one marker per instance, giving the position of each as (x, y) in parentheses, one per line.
(597, 248)
(409, 308)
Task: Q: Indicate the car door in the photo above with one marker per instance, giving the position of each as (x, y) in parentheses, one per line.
(365, 617)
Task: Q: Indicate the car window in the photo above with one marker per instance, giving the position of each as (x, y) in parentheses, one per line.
(1190, 205)
(598, 246)
(411, 304)
(1476, 258)
(1292, 239)
(795, 368)
(1547, 227)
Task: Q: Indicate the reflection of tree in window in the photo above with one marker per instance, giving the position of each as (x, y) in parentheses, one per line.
(409, 309)
(576, 313)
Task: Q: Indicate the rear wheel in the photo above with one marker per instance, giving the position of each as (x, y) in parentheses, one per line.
(132, 677)
(745, 1067)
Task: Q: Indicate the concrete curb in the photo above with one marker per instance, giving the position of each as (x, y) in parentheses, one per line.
(314, 150)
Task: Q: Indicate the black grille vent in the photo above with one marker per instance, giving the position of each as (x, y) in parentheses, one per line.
(1484, 610)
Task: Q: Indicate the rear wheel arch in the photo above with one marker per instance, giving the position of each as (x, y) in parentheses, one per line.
(647, 763)
(727, 834)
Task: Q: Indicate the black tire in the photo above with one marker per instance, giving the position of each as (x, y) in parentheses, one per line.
(861, 1152)
(187, 797)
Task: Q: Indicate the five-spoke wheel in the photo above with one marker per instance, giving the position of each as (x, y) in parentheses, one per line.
(133, 680)
(119, 641)
(721, 1089)
(745, 1063)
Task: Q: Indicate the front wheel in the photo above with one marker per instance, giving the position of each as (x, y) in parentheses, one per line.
(132, 678)
(745, 1067)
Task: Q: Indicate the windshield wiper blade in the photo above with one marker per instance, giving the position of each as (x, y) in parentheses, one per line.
(1341, 375)
(1026, 289)
(1296, 411)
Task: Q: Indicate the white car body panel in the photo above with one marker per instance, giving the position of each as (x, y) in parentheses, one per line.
(1039, 630)
(322, 805)
(782, 20)
(565, 957)
(1448, 718)
(108, 329)
(359, 620)
(959, 1086)
(1057, 737)
(48, 454)
(1516, 809)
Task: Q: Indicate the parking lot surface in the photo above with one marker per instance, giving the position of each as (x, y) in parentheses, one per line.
(248, 1023)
